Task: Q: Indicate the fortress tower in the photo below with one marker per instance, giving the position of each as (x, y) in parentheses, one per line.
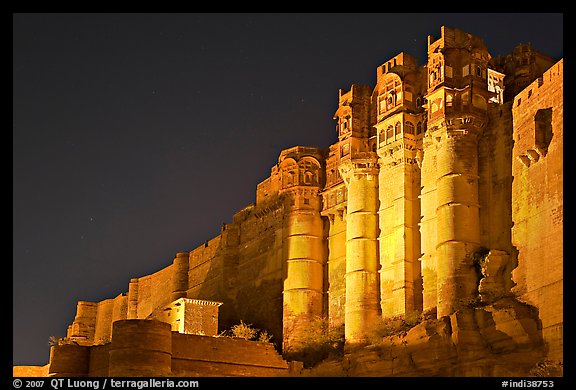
(359, 170)
(457, 106)
(300, 173)
(400, 124)
(442, 196)
(334, 197)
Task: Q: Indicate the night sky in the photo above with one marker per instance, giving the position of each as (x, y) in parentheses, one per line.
(136, 136)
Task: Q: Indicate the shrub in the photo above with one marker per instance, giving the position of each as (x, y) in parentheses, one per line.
(54, 341)
(547, 368)
(396, 325)
(322, 341)
(264, 337)
(244, 331)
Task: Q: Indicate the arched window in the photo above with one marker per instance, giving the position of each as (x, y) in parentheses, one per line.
(289, 179)
(290, 176)
(390, 133)
(344, 126)
(308, 172)
(397, 129)
(419, 128)
(408, 127)
(391, 100)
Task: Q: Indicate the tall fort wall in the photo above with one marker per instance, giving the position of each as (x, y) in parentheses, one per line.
(537, 200)
(442, 199)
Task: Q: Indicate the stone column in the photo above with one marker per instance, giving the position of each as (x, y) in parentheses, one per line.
(83, 329)
(457, 219)
(337, 267)
(399, 215)
(180, 280)
(303, 286)
(428, 235)
(133, 299)
(362, 286)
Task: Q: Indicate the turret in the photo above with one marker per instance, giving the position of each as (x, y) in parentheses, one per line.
(401, 120)
(359, 170)
(300, 178)
(457, 102)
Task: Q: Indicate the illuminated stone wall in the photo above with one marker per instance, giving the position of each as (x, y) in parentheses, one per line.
(93, 321)
(457, 107)
(537, 201)
(358, 167)
(334, 201)
(400, 127)
(149, 348)
(441, 196)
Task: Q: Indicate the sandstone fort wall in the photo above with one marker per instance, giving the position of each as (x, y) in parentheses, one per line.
(149, 348)
(443, 197)
(537, 200)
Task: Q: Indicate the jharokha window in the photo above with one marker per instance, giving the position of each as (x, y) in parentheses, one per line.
(390, 133)
(408, 127)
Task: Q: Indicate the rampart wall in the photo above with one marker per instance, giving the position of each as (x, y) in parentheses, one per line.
(149, 348)
(467, 229)
(537, 201)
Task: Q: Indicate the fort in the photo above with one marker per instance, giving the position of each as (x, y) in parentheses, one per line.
(427, 241)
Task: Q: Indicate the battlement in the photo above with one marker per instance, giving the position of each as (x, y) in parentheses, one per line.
(401, 62)
(456, 38)
(554, 74)
(297, 152)
(356, 92)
